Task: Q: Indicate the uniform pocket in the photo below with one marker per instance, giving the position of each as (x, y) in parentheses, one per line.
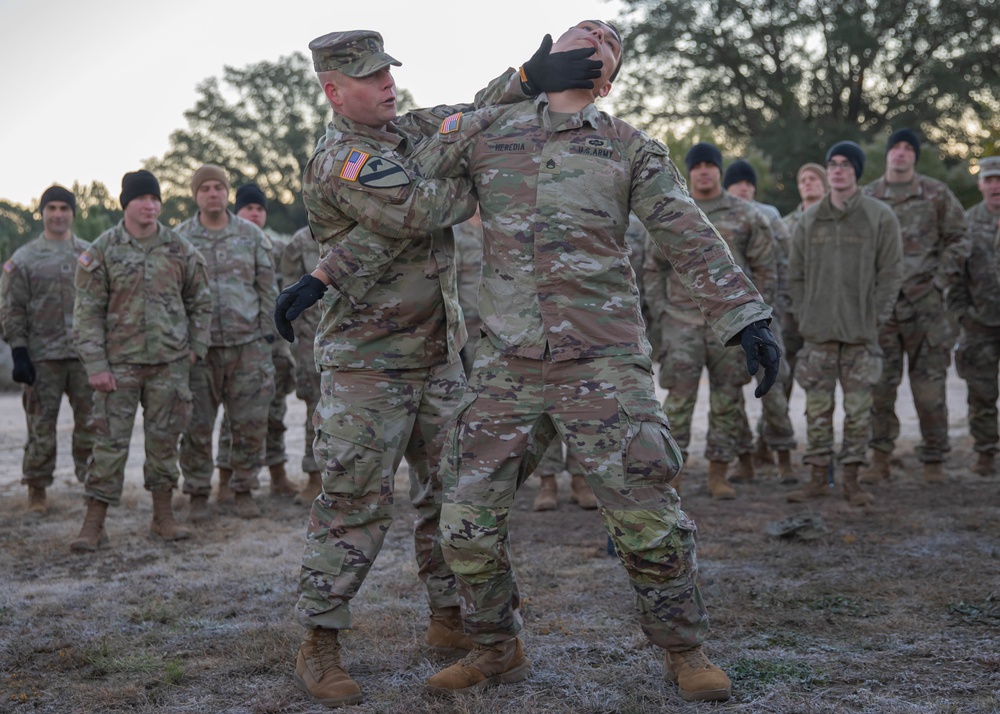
(350, 447)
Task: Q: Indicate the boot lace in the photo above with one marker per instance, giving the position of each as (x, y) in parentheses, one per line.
(694, 658)
(327, 652)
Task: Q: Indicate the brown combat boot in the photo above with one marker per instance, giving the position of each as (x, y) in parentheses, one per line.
(853, 493)
(697, 679)
(934, 473)
(816, 488)
(280, 485)
(485, 666)
(717, 485)
(786, 472)
(164, 525)
(763, 456)
(36, 501)
(582, 494)
(984, 464)
(92, 533)
(225, 496)
(745, 471)
(445, 635)
(879, 470)
(313, 488)
(198, 510)
(546, 498)
(246, 507)
(320, 674)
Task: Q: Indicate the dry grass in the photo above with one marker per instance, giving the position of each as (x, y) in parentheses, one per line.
(895, 610)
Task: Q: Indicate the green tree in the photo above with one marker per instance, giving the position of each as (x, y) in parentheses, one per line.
(17, 226)
(97, 210)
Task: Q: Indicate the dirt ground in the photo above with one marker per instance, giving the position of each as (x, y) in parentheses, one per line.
(895, 609)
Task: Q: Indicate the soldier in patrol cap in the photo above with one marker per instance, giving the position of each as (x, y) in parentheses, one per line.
(389, 340)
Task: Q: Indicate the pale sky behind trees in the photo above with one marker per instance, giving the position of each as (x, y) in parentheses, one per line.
(92, 89)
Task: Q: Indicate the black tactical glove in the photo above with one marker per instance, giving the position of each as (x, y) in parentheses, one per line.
(558, 72)
(24, 371)
(761, 349)
(293, 301)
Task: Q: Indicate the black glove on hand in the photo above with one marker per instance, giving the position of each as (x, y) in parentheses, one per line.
(293, 301)
(761, 349)
(24, 371)
(558, 72)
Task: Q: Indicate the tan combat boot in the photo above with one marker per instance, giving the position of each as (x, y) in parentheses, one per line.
(246, 507)
(786, 472)
(320, 674)
(485, 666)
(36, 501)
(164, 525)
(313, 488)
(445, 635)
(934, 473)
(763, 456)
(717, 484)
(879, 470)
(984, 464)
(546, 498)
(92, 533)
(745, 471)
(198, 510)
(225, 496)
(582, 494)
(816, 488)
(280, 485)
(853, 493)
(698, 680)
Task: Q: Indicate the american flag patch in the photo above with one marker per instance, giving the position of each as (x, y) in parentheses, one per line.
(451, 123)
(85, 259)
(8, 266)
(352, 167)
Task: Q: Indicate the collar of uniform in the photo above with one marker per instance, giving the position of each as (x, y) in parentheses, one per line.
(198, 228)
(125, 237)
(723, 200)
(880, 187)
(826, 211)
(982, 214)
(391, 136)
(590, 114)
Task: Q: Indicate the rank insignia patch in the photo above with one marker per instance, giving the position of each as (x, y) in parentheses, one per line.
(352, 167)
(451, 123)
(380, 172)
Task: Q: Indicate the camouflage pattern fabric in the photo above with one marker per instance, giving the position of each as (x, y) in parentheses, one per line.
(121, 316)
(164, 392)
(366, 422)
(605, 410)
(469, 262)
(791, 337)
(556, 459)
(819, 368)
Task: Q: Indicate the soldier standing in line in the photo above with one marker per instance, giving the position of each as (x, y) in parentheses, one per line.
(775, 431)
(299, 257)
(976, 301)
(251, 205)
(238, 372)
(141, 319)
(935, 247)
(688, 339)
(37, 320)
(844, 275)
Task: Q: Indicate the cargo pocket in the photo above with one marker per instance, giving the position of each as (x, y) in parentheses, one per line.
(323, 557)
(809, 367)
(451, 456)
(350, 448)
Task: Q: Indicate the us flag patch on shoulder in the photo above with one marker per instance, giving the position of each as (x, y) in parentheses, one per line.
(85, 259)
(352, 167)
(451, 123)
(8, 266)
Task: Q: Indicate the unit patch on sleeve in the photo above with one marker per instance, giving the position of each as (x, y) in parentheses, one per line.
(381, 172)
(86, 261)
(452, 123)
(352, 167)
(8, 267)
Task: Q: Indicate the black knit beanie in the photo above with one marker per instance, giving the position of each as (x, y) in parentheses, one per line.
(247, 194)
(58, 193)
(738, 171)
(850, 151)
(703, 151)
(138, 183)
(905, 134)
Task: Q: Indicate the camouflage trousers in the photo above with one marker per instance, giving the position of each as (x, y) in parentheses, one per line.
(274, 448)
(685, 350)
(819, 368)
(923, 333)
(366, 422)
(793, 343)
(242, 379)
(775, 426)
(977, 358)
(164, 392)
(606, 412)
(41, 402)
(555, 460)
(307, 388)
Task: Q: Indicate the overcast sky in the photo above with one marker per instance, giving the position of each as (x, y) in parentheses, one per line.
(91, 89)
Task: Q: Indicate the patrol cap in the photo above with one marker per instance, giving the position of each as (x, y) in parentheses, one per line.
(990, 166)
(356, 53)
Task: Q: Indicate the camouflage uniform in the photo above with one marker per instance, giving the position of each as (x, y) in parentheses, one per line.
(975, 300)
(566, 353)
(388, 343)
(469, 267)
(687, 340)
(935, 246)
(790, 335)
(37, 314)
(142, 307)
(299, 257)
(284, 384)
(237, 371)
(844, 274)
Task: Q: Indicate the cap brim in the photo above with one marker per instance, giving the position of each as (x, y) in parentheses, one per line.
(369, 65)
(987, 174)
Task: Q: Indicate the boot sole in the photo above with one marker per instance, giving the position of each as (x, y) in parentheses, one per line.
(331, 702)
(511, 676)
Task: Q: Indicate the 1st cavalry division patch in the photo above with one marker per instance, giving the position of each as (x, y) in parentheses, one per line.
(380, 172)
